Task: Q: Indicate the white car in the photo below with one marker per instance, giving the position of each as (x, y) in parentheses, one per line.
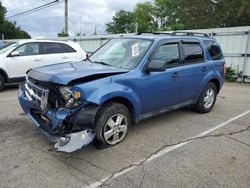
(17, 58)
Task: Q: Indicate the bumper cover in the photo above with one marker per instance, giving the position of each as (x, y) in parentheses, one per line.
(65, 142)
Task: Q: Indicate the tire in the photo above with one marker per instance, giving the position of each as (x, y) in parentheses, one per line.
(112, 123)
(2, 82)
(207, 98)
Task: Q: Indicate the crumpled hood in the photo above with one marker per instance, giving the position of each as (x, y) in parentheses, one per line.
(64, 73)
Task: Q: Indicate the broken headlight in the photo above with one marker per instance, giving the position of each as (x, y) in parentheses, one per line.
(72, 99)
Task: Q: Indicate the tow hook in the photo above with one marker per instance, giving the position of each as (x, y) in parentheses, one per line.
(75, 141)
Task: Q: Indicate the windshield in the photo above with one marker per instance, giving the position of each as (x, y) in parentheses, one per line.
(123, 53)
(8, 46)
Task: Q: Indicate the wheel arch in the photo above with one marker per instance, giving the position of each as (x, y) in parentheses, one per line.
(4, 74)
(126, 102)
(217, 83)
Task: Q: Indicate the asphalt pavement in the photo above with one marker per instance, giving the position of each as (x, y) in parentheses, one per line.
(178, 149)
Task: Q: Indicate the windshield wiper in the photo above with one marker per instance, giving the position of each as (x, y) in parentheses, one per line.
(102, 63)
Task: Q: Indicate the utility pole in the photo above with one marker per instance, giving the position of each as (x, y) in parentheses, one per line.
(66, 18)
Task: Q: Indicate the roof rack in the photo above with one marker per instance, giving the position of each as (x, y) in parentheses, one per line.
(189, 33)
(176, 33)
(154, 33)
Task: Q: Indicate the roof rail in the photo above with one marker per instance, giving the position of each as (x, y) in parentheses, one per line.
(175, 33)
(189, 33)
(154, 33)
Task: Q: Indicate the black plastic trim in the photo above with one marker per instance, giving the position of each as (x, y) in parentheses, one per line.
(85, 118)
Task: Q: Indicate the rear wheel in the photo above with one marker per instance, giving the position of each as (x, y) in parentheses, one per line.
(207, 98)
(112, 123)
(2, 82)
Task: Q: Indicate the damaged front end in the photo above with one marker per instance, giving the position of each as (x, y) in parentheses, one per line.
(59, 113)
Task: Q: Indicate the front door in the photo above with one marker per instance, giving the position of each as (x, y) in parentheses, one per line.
(27, 57)
(160, 90)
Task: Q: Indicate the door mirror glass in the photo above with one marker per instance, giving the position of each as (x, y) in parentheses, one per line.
(15, 53)
(156, 66)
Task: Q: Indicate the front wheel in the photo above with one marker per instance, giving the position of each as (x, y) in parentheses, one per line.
(2, 82)
(207, 98)
(112, 123)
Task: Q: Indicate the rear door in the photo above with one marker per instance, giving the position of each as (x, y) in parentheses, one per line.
(194, 69)
(55, 52)
(28, 57)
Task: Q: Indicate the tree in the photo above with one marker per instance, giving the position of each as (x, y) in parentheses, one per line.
(62, 34)
(10, 29)
(166, 15)
(144, 17)
(2, 13)
(122, 22)
(236, 12)
(196, 14)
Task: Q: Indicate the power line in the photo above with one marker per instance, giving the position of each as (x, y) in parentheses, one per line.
(36, 8)
(25, 6)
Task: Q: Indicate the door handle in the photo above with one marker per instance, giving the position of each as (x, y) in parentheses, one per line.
(37, 60)
(176, 75)
(65, 57)
(204, 69)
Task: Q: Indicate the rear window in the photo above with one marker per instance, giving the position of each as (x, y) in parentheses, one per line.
(193, 53)
(54, 48)
(214, 49)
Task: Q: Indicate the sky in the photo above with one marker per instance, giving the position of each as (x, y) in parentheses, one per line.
(84, 15)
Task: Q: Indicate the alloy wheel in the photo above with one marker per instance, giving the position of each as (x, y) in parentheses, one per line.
(115, 129)
(209, 98)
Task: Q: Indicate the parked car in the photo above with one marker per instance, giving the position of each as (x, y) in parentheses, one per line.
(127, 80)
(2, 44)
(17, 58)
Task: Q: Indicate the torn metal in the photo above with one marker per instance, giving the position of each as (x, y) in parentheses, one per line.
(75, 141)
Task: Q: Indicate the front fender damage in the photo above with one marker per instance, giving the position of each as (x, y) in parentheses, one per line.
(82, 130)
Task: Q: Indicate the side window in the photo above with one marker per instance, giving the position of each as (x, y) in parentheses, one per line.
(168, 53)
(28, 49)
(55, 48)
(193, 53)
(67, 48)
(213, 49)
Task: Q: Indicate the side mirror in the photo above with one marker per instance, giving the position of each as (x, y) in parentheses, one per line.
(14, 53)
(156, 66)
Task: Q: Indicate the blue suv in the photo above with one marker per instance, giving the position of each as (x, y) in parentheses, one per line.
(125, 81)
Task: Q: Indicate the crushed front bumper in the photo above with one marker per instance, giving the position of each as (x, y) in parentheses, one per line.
(51, 124)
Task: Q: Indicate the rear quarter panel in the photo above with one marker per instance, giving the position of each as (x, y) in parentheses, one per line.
(216, 68)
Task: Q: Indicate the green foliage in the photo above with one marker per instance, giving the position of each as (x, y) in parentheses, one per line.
(62, 34)
(144, 17)
(166, 14)
(163, 15)
(231, 74)
(10, 29)
(196, 14)
(2, 13)
(122, 22)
